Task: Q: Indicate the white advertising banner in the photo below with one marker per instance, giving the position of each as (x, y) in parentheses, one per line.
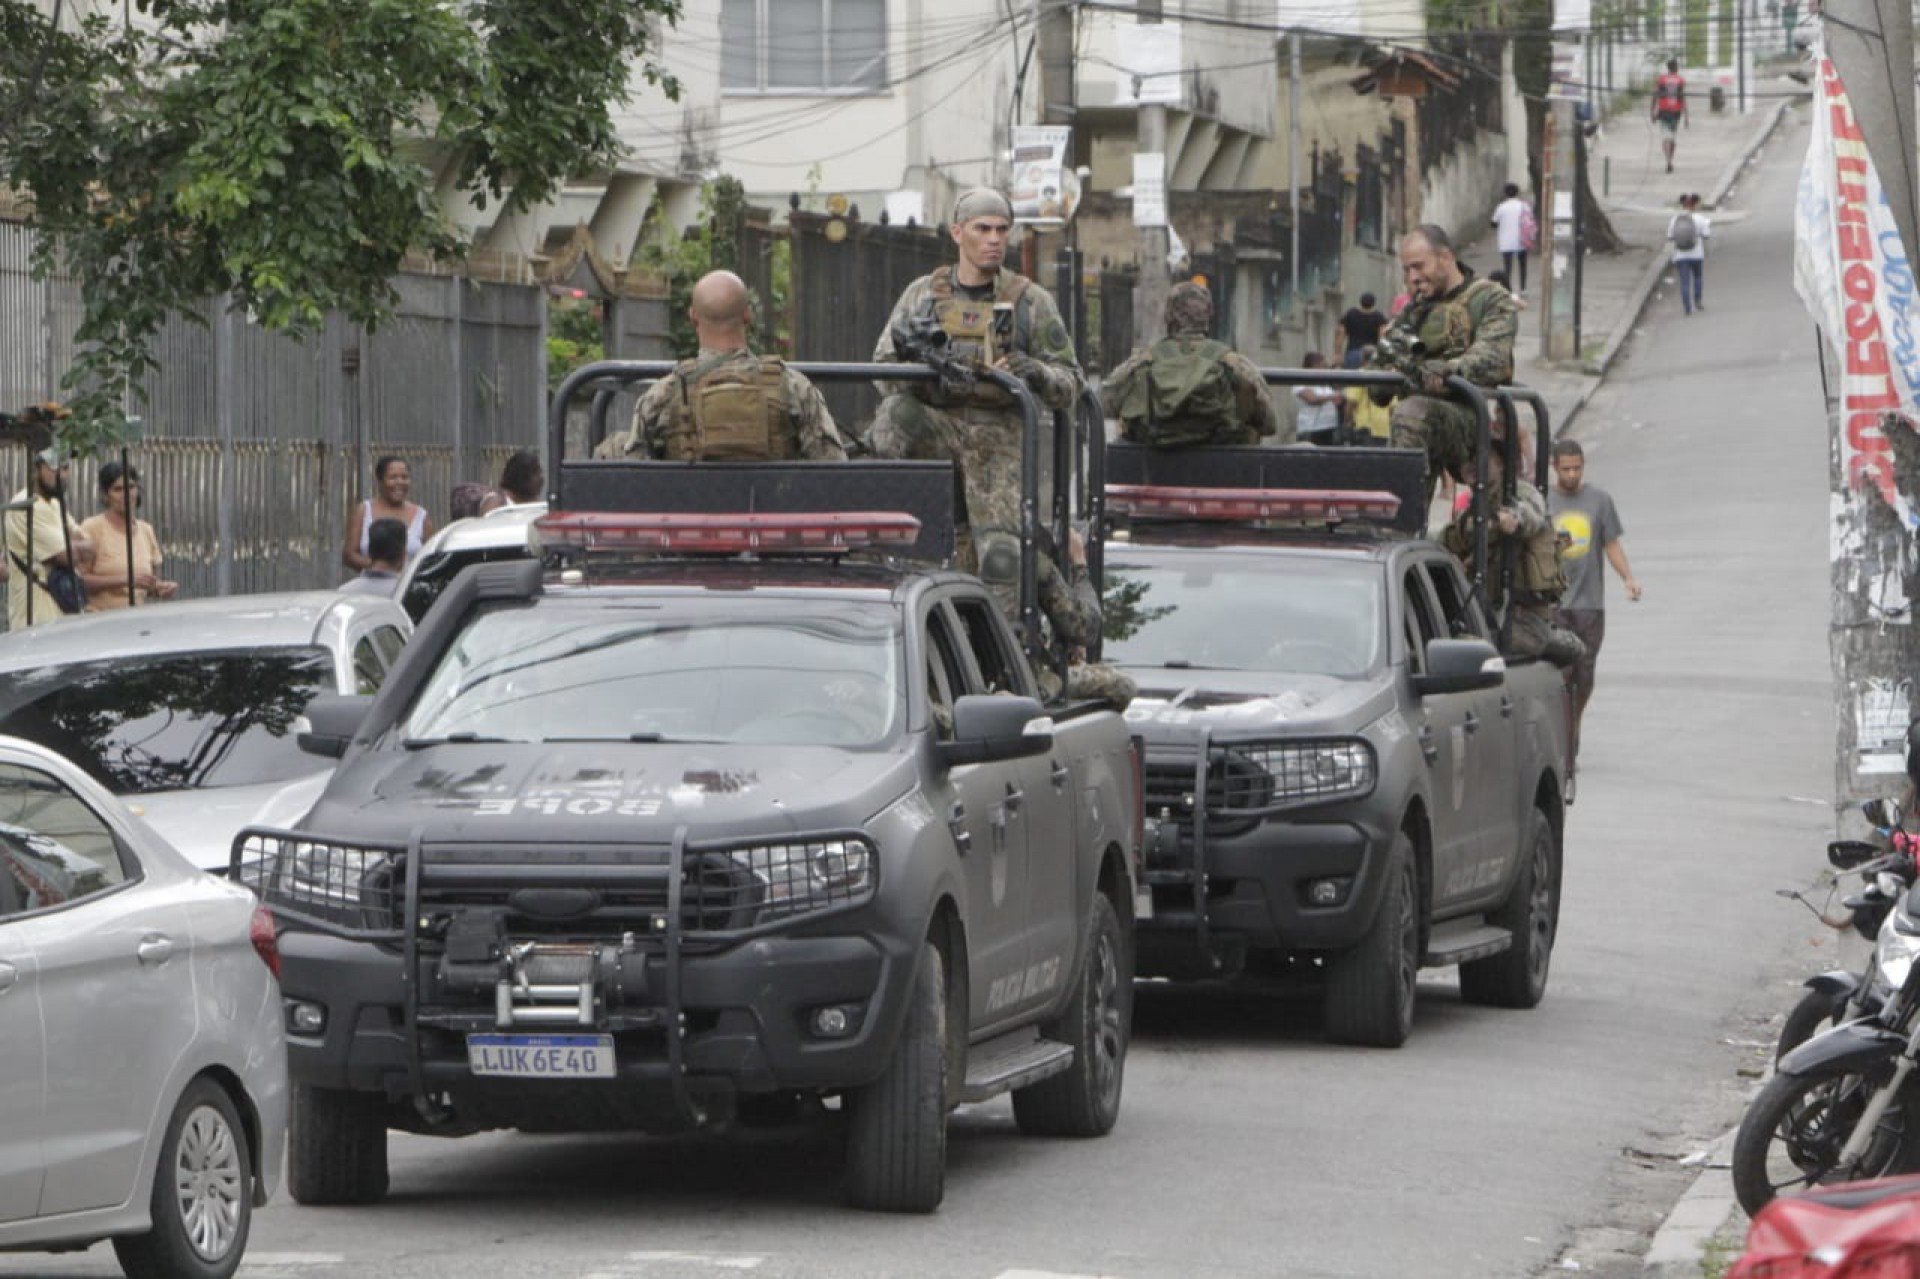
(1149, 188)
(1852, 272)
(1044, 190)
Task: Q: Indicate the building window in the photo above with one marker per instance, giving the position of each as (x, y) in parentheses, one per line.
(803, 46)
(1369, 199)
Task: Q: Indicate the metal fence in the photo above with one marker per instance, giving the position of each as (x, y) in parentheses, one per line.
(258, 447)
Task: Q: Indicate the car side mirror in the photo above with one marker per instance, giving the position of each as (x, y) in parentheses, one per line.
(332, 719)
(988, 727)
(1845, 854)
(1460, 666)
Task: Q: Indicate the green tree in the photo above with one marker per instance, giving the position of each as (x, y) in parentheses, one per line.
(275, 150)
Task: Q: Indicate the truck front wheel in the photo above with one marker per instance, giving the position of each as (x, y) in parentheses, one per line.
(1370, 987)
(336, 1146)
(897, 1125)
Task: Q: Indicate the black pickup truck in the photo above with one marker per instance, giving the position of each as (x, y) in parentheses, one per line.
(1345, 780)
(714, 811)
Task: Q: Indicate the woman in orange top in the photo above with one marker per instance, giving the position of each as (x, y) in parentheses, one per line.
(106, 573)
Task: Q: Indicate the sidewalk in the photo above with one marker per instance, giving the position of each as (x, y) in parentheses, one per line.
(1639, 197)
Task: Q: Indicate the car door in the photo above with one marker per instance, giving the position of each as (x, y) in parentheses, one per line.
(1492, 734)
(22, 1063)
(116, 987)
(1439, 726)
(997, 793)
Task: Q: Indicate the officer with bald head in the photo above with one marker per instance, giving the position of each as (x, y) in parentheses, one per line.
(728, 404)
(995, 317)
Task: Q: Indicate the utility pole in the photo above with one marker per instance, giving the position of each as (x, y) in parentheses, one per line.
(1150, 287)
(1293, 155)
(1561, 195)
(1740, 56)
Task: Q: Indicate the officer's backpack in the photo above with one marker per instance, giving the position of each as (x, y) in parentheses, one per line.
(1182, 396)
(1686, 232)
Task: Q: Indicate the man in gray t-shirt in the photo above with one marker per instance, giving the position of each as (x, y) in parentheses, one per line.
(1589, 528)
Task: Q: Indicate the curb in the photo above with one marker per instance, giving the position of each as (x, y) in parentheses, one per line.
(1681, 1241)
(1657, 269)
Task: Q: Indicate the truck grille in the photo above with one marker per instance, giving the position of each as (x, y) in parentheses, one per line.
(1233, 782)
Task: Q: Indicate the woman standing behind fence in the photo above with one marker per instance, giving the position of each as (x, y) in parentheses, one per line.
(392, 482)
(106, 572)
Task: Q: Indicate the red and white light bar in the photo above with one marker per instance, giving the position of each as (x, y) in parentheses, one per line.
(728, 534)
(1329, 505)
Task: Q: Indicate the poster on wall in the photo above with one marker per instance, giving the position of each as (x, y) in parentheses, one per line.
(1045, 190)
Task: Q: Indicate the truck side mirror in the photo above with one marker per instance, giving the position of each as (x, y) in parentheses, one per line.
(331, 721)
(989, 727)
(1460, 666)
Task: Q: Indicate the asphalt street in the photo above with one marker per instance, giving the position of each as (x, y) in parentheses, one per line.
(1495, 1143)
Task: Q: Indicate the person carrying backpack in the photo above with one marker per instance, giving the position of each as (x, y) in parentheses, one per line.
(1688, 231)
(1187, 389)
(1669, 107)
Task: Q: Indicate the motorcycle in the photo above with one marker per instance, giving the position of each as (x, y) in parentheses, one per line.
(1841, 995)
(1845, 1104)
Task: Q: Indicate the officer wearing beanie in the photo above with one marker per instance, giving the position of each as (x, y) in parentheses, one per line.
(1188, 389)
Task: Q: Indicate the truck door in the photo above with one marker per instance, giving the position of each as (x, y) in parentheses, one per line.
(1041, 787)
(1439, 721)
(1492, 731)
(971, 800)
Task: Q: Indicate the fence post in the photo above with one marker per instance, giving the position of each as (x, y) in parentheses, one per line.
(456, 377)
(223, 392)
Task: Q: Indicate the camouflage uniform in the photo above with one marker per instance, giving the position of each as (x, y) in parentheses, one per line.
(1538, 581)
(663, 425)
(1189, 319)
(1468, 332)
(1072, 612)
(977, 427)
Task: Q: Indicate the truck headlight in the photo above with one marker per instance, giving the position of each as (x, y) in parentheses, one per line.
(346, 885)
(1311, 771)
(793, 879)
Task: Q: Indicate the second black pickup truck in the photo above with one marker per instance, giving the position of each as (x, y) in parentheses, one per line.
(1345, 780)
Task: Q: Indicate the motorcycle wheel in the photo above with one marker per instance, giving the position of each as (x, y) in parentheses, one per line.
(1816, 1011)
(1791, 1136)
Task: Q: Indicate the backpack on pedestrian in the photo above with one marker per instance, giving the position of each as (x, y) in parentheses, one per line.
(1183, 395)
(1686, 232)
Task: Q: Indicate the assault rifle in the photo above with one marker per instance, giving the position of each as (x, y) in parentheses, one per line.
(921, 340)
(1403, 353)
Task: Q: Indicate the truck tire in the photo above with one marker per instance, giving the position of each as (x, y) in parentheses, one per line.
(1370, 988)
(1517, 976)
(897, 1125)
(1084, 1101)
(336, 1146)
(202, 1193)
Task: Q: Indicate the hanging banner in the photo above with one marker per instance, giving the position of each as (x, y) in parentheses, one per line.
(1044, 190)
(1851, 270)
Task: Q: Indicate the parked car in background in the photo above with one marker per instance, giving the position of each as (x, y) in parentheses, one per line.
(500, 534)
(187, 710)
(143, 1076)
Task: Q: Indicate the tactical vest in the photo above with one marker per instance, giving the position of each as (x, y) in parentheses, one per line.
(1537, 575)
(1446, 326)
(1182, 395)
(981, 331)
(731, 410)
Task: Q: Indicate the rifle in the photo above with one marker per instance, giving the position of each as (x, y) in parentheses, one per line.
(921, 340)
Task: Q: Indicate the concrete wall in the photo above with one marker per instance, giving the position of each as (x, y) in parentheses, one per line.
(1231, 73)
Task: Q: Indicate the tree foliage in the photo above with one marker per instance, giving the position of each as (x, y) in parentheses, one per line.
(279, 151)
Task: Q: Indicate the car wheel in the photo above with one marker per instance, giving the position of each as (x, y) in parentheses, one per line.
(1370, 988)
(1517, 976)
(897, 1125)
(1084, 1101)
(202, 1193)
(336, 1146)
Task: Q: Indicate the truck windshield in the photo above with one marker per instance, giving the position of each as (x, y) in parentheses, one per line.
(1287, 613)
(674, 669)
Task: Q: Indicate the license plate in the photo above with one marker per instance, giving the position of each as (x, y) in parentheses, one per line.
(541, 1056)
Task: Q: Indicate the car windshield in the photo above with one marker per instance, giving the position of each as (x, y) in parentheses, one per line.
(177, 722)
(1289, 613)
(666, 669)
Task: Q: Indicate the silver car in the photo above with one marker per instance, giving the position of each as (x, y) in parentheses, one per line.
(187, 710)
(144, 1065)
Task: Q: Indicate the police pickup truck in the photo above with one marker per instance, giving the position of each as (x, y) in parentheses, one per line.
(1345, 780)
(709, 814)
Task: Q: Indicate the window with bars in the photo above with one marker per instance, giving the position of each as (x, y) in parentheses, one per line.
(803, 46)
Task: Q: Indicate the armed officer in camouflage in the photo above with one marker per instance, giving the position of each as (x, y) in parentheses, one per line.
(1188, 389)
(1455, 325)
(728, 404)
(1071, 609)
(1538, 582)
(975, 313)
